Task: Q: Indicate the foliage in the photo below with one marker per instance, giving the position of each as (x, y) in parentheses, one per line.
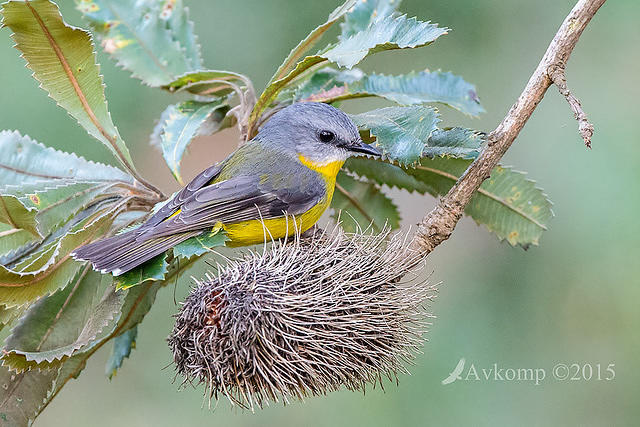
(51, 202)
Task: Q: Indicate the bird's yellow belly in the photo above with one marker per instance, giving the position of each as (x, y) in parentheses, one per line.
(255, 231)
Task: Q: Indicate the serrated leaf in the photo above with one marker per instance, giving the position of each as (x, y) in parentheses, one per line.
(365, 13)
(23, 395)
(56, 203)
(454, 142)
(59, 325)
(15, 214)
(12, 238)
(122, 345)
(383, 173)
(330, 85)
(51, 268)
(393, 32)
(151, 38)
(207, 83)
(200, 245)
(63, 61)
(402, 132)
(153, 270)
(359, 204)
(24, 161)
(508, 204)
(182, 124)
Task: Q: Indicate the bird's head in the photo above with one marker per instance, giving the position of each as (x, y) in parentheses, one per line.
(317, 131)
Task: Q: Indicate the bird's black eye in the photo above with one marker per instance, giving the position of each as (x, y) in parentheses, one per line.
(327, 136)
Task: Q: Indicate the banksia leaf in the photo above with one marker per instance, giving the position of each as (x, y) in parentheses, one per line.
(359, 205)
(153, 270)
(24, 395)
(59, 325)
(122, 346)
(365, 13)
(63, 60)
(24, 161)
(182, 123)
(153, 39)
(508, 204)
(330, 85)
(207, 83)
(200, 245)
(402, 132)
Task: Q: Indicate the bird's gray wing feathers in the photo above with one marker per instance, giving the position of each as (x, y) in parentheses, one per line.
(238, 199)
(202, 179)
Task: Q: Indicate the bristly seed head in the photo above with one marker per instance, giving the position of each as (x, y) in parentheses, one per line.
(304, 318)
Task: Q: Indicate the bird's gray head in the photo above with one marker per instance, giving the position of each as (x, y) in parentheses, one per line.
(319, 132)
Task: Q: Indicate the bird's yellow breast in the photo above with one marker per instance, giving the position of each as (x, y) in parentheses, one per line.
(254, 231)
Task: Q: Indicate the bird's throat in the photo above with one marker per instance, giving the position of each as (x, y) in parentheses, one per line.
(328, 169)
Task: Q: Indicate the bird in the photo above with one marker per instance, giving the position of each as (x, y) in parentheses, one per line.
(285, 175)
(455, 374)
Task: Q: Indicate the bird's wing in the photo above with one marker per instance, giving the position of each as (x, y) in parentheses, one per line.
(237, 199)
(202, 179)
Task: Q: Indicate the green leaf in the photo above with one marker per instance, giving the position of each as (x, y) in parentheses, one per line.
(63, 61)
(207, 83)
(182, 124)
(153, 39)
(153, 270)
(455, 142)
(23, 395)
(359, 204)
(51, 267)
(56, 203)
(393, 32)
(59, 325)
(383, 173)
(330, 85)
(508, 204)
(365, 13)
(122, 345)
(200, 245)
(402, 132)
(14, 213)
(12, 238)
(24, 161)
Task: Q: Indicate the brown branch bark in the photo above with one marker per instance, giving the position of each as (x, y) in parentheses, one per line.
(437, 225)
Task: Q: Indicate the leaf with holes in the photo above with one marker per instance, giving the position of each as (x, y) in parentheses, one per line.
(153, 270)
(63, 60)
(200, 245)
(122, 346)
(182, 124)
(24, 161)
(330, 85)
(153, 39)
(358, 205)
(508, 204)
(392, 32)
(24, 395)
(56, 203)
(59, 325)
(402, 132)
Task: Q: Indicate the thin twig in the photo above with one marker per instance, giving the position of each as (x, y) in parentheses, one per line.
(437, 225)
(584, 126)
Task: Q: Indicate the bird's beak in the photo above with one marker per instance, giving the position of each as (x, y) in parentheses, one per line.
(361, 147)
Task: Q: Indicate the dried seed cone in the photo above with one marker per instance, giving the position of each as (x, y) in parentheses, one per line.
(303, 318)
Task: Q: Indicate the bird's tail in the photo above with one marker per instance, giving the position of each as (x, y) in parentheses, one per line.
(124, 252)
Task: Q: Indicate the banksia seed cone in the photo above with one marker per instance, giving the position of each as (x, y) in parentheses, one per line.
(303, 318)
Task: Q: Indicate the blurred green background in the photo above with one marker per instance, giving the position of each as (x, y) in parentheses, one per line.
(573, 299)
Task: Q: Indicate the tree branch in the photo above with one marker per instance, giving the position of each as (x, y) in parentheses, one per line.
(437, 225)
